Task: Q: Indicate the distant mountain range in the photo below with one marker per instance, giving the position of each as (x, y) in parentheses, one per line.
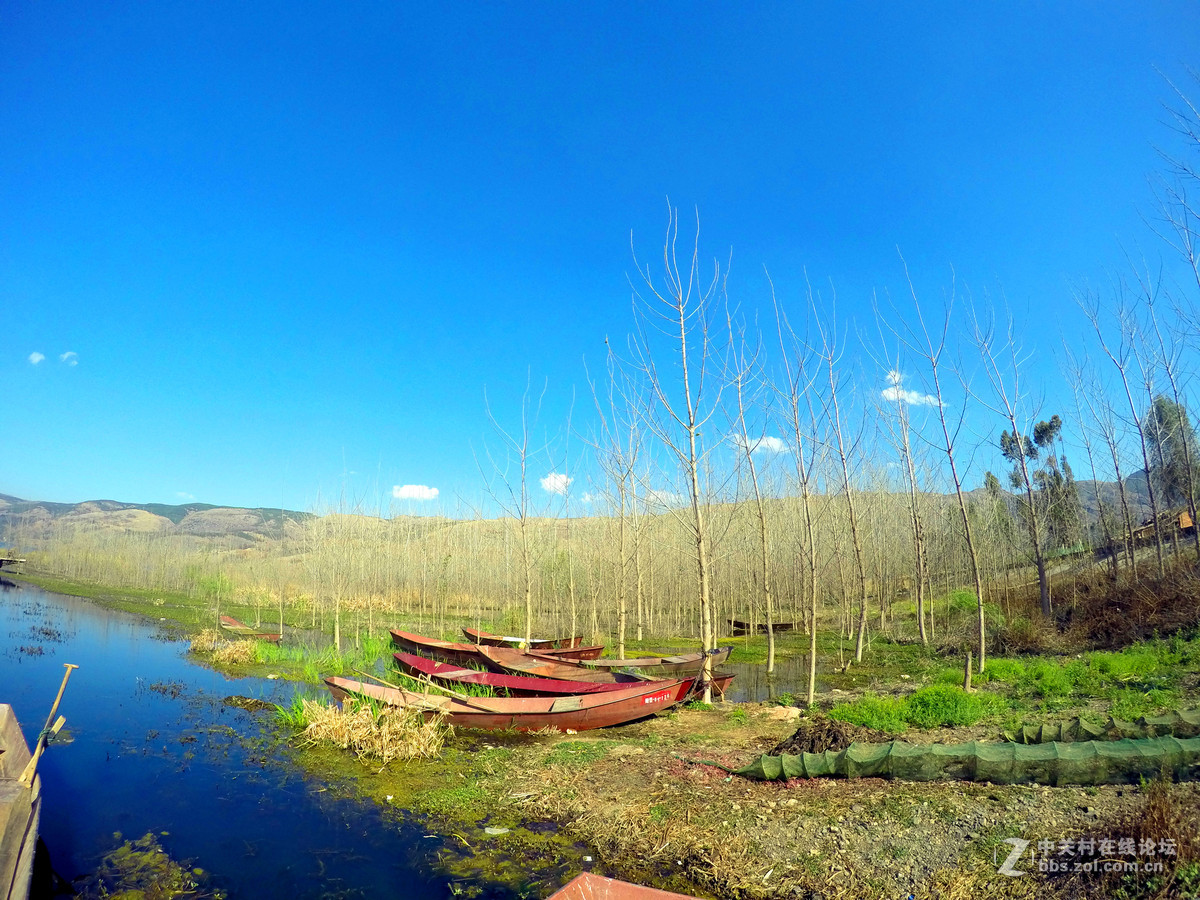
(39, 518)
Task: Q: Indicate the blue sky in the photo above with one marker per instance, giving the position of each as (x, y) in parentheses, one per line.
(291, 245)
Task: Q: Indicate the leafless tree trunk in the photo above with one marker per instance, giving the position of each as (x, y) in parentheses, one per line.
(1120, 359)
(681, 308)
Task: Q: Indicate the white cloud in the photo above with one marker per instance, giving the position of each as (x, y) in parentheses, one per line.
(764, 444)
(414, 492)
(184, 495)
(588, 497)
(897, 394)
(556, 483)
(663, 498)
(71, 358)
(35, 358)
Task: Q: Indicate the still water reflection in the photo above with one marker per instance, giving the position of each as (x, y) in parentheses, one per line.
(156, 750)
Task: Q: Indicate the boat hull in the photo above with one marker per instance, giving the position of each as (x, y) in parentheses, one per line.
(233, 626)
(516, 685)
(478, 636)
(662, 666)
(20, 809)
(442, 651)
(589, 886)
(574, 713)
(514, 662)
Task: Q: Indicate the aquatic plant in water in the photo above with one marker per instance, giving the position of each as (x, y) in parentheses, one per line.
(142, 869)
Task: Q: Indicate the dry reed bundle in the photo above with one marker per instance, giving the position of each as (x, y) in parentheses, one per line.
(384, 735)
(206, 641)
(233, 652)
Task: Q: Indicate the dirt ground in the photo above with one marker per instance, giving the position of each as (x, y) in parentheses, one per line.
(643, 797)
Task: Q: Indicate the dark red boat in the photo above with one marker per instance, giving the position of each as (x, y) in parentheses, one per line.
(575, 713)
(588, 886)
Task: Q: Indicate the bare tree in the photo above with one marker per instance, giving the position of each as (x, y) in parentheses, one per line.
(681, 308)
(931, 346)
(512, 493)
(744, 378)
(794, 392)
(1121, 356)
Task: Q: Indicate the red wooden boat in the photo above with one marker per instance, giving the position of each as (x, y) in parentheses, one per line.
(514, 685)
(514, 662)
(685, 664)
(520, 685)
(443, 651)
(589, 886)
(478, 636)
(577, 713)
(538, 665)
(233, 626)
(574, 653)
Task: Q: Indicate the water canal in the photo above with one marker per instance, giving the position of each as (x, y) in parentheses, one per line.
(157, 750)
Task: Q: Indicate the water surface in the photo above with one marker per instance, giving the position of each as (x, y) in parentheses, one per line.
(157, 750)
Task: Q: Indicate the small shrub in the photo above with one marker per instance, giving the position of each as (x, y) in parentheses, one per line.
(944, 704)
(1128, 704)
(738, 716)
(1047, 680)
(1007, 671)
(870, 711)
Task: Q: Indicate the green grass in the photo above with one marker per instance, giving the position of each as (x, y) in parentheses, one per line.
(578, 753)
(930, 707)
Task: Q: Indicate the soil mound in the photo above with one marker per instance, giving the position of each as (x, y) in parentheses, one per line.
(821, 733)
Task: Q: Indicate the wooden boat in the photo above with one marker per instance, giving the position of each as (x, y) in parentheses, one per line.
(442, 651)
(576, 713)
(20, 809)
(517, 685)
(589, 886)
(675, 666)
(477, 636)
(515, 662)
(233, 626)
(739, 628)
(514, 685)
(574, 653)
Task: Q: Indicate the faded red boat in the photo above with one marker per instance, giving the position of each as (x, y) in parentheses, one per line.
(507, 661)
(479, 636)
(596, 887)
(233, 626)
(685, 664)
(576, 712)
